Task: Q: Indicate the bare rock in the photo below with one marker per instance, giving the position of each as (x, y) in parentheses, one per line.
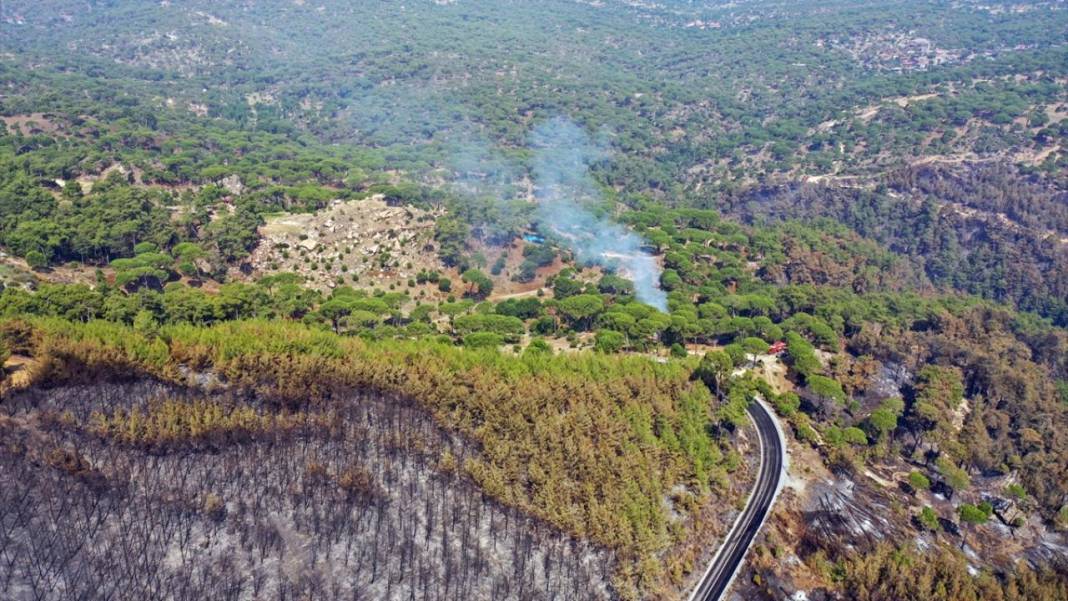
(233, 185)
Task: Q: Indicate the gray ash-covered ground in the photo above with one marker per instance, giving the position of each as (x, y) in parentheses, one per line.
(363, 499)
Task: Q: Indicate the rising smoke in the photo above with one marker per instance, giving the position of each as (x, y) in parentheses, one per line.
(563, 153)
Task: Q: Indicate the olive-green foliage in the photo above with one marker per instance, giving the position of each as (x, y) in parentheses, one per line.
(715, 370)
(510, 329)
(1062, 391)
(802, 356)
(827, 389)
(787, 404)
(971, 514)
(884, 419)
(608, 341)
(836, 436)
(479, 284)
(919, 481)
(589, 442)
(581, 309)
(942, 574)
(523, 308)
(539, 345)
(481, 340)
(754, 346)
(1016, 491)
(954, 476)
(929, 519)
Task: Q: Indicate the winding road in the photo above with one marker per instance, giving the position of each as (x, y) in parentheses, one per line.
(725, 564)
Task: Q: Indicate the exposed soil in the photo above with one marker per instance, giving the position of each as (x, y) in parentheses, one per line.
(504, 286)
(364, 244)
(368, 244)
(14, 271)
(32, 124)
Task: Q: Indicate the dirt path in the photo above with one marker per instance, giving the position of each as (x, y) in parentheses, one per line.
(524, 294)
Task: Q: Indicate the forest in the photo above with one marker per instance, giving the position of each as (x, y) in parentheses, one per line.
(588, 446)
(283, 312)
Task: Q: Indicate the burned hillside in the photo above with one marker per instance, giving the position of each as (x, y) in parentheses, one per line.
(148, 491)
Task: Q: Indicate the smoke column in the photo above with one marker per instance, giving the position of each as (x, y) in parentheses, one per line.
(563, 153)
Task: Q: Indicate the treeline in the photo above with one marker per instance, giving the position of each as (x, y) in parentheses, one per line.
(107, 224)
(605, 308)
(87, 123)
(591, 444)
(718, 298)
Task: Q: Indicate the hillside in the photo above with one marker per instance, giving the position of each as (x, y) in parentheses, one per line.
(468, 299)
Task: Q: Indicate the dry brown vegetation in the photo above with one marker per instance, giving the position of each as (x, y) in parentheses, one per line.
(175, 497)
(364, 243)
(611, 450)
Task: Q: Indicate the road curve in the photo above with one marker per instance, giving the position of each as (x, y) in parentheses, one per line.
(725, 564)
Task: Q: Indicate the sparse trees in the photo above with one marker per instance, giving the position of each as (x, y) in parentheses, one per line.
(939, 392)
(884, 420)
(451, 235)
(479, 285)
(956, 477)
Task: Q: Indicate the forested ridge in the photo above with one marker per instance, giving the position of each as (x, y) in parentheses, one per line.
(1010, 366)
(589, 445)
(990, 231)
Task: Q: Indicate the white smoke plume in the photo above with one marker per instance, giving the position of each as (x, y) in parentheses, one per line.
(563, 186)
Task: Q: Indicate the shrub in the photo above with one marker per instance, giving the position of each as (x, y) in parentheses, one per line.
(1016, 491)
(970, 514)
(539, 345)
(479, 340)
(36, 259)
(609, 341)
(919, 481)
(787, 404)
(929, 519)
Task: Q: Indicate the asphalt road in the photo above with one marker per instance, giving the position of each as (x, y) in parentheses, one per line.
(720, 573)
